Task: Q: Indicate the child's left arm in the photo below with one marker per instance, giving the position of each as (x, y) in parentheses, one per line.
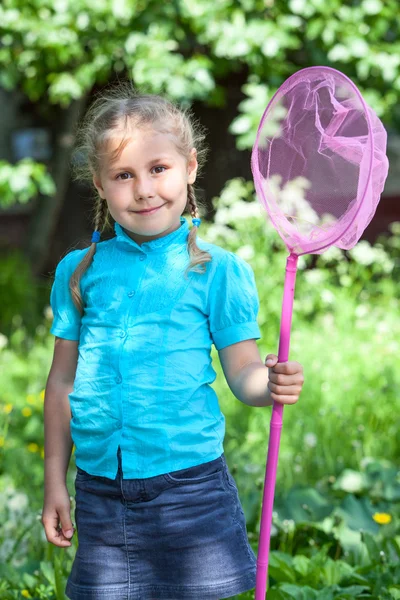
(259, 383)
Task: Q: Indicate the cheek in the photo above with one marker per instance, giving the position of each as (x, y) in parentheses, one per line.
(173, 186)
(117, 190)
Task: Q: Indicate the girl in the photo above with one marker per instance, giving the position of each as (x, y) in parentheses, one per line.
(157, 511)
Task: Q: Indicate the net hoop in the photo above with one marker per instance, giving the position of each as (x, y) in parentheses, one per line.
(287, 85)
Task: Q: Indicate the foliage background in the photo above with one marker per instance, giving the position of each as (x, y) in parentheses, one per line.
(336, 520)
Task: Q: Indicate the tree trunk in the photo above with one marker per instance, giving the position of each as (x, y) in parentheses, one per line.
(47, 210)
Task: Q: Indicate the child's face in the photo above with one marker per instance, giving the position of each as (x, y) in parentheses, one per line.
(150, 173)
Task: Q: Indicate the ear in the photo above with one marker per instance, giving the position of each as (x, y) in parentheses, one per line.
(192, 166)
(98, 186)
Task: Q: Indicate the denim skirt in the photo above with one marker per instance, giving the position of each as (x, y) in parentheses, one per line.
(177, 536)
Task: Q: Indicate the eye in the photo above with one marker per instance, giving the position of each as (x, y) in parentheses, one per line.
(123, 179)
(159, 167)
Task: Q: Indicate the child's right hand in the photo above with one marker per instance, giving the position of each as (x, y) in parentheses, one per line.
(56, 517)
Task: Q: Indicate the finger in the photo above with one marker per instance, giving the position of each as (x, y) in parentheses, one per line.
(53, 530)
(60, 539)
(288, 368)
(287, 390)
(66, 524)
(54, 535)
(284, 399)
(285, 380)
(271, 360)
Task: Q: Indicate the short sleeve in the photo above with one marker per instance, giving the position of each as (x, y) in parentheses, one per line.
(66, 317)
(233, 302)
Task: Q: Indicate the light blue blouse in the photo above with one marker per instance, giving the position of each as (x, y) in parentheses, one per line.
(144, 372)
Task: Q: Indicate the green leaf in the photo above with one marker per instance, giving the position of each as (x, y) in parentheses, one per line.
(301, 593)
(372, 546)
(281, 567)
(48, 571)
(358, 514)
(335, 570)
(305, 504)
(300, 563)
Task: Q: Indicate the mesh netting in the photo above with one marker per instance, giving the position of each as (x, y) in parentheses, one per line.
(319, 161)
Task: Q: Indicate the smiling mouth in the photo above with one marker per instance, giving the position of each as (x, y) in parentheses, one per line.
(147, 212)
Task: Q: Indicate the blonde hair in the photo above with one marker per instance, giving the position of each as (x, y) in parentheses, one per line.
(121, 107)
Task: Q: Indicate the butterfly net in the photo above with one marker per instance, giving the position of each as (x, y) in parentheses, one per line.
(319, 161)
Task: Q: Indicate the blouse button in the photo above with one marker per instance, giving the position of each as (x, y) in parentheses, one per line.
(118, 379)
(122, 334)
(130, 294)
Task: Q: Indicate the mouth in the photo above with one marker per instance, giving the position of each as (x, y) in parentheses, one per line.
(149, 211)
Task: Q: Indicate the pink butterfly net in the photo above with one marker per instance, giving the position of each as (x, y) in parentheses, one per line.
(319, 166)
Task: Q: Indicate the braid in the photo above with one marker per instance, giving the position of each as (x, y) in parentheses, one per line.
(101, 215)
(194, 211)
(101, 221)
(198, 257)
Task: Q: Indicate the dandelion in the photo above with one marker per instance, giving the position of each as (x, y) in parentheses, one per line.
(26, 594)
(26, 411)
(42, 452)
(8, 408)
(33, 447)
(41, 395)
(382, 518)
(2, 441)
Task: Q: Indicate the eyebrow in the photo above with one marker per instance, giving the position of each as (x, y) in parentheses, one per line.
(154, 160)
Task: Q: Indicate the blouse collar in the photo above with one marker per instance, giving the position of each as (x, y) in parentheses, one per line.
(173, 240)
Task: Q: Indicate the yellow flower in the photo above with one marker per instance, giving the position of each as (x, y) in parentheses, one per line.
(41, 395)
(1, 441)
(33, 447)
(27, 411)
(26, 594)
(8, 408)
(382, 518)
(42, 452)
(31, 399)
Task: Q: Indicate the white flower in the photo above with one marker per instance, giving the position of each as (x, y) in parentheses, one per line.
(3, 341)
(315, 276)
(48, 313)
(217, 231)
(246, 252)
(361, 311)
(327, 296)
(18, 503)
(310, 439)
(365, 254)
(301, 263)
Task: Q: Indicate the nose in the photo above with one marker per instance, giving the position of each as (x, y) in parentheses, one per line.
(144, 188)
